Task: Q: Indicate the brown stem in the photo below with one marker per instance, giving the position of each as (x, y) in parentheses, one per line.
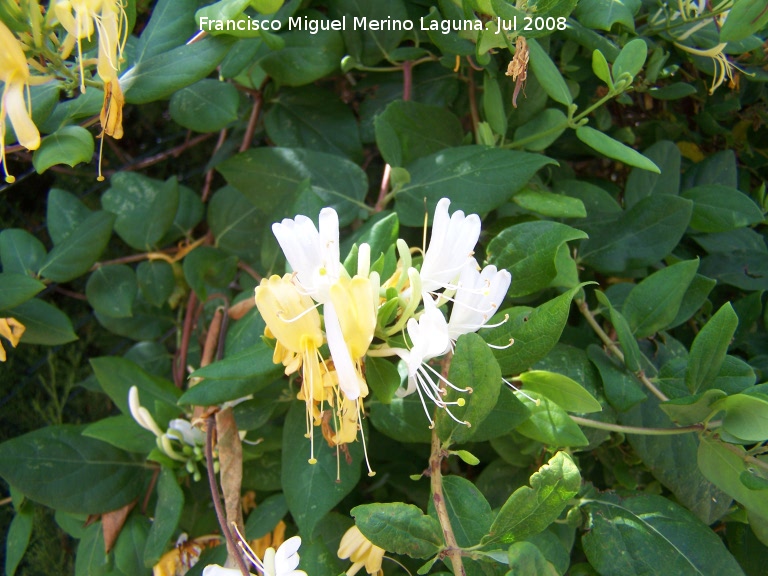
(131, 258)
(172, 153)
(615, 350)
(70, 293)
(186, 334)
(231, 545)
(250, 130)
(436, 480)
(209, 175)
(150, 489)
(250, 271)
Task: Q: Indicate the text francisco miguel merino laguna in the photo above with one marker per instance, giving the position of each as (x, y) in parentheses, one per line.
(356, 23)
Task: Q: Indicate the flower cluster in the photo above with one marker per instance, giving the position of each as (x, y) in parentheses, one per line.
(321, 302)
(182, 441)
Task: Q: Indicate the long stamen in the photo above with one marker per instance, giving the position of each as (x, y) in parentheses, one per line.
(448, 382)
(247, 550)
(362, 437)
(502, 347)
(518, 389)
(281, 314)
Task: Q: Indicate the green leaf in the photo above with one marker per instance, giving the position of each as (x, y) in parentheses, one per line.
(653, 304)
(468, 510)
(312, 490)
(313, 118)
(746, 416)
(399, 528)
(639, 237)
(145, 208)
(111, 290)
(90, 558)
(631, 58)
(382, 377)
(566, 393)
(535, 333)
(543, 129)
(709, 349)
(158, 76)
(75, 255)
(492, 174)
(170, 501)
(529, 510)
(65, 213)
(15, 289)
(366, 44)
(719, 208)
(607, 146)
(694, 298)
(206, 267)
(551, 204)
(122, 432)
(723, 465)
(621, 389)
(60, 468)
(507, 415)
(156, 281)
(674, 91)
(403, 419)
(473, 366)
(493, 104)
(603, 14)
(146, 323)
(117, 375)
(233, 219)
(692, 409)
(548, 423)
(744, 19)
(266, 516)
(129, 548)
(305, 57)
(283, 173)
(624, 534)
(17, 539)
(20, 252)
(673, 462)
(236, 376)
(407, 131)
(601, 69)
(45, 324)
(548, 75)
(528, 251)
(69, 145)
(525, 559)
(206, 106)
(642, 183)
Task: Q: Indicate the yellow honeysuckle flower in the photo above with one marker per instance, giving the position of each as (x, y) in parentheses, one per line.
(361, 552)
(294, 321)
(14, 73)
(723, 66)
(12, 330)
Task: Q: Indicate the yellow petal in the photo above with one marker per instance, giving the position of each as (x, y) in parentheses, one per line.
(112, 111)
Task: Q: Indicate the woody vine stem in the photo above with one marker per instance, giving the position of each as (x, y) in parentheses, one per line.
(436, 479)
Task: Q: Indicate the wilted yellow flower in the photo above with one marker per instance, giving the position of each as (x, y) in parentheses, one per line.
(14, 73)
(10, 329)
(183, 556)
(362, 552)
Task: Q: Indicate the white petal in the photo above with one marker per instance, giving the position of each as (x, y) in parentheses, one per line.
(287, 556)
(216, 570)
(342, 360)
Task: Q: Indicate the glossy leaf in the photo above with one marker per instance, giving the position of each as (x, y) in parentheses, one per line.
(720, 208)
(205, 106)
(45, 323)
(746, 416)
(621, 389)
(16, 289)
(491, 174)
(403, 419)
(547, 74)
(64, 214)
(631, 58)
(68, 145)
(75, 255)
(563, 391)
(208, 267)
(651, 526)
(312, 490)
(709, 349)
(614, 149)
(399, 528)
(744, 19)
(529, 510)
(548, 423)
(112, 289)
(529, 251)
(541, 131)
(170, 501)
(20, 252)
(156, 280)
(112, 476)
(468, 510)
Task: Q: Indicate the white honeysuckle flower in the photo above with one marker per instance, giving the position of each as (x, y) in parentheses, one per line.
(430, 339)
(183, 431)
(282, 562)
(450, 249)
(478, 297)
(312, 254)
(141, 415)
(216, 570)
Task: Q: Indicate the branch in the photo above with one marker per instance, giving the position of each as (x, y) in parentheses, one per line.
(436, 480)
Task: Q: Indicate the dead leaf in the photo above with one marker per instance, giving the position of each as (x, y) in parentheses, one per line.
(230, 466)
(112, 523)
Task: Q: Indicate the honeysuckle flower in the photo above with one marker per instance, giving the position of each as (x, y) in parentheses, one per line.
(14, 73)
(184, 431)
(183, 556)
(141, 415)
(12, 330)
(362, 552)
(293, 320)
(478, 296)
(312, 254)
(450, 249)
(282, 562)
(722, 66)
(430, 339)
